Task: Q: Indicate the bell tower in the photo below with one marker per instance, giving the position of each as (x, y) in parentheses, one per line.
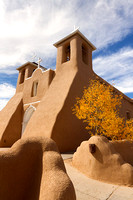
(25, 71)
(74, 49)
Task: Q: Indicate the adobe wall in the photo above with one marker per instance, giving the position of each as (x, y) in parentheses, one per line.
(11, 117)
(25, 71)
(53, 116)
(127, 106)
(43, 78)
(125, 149)
(110, 162)
(11, 121)
(67, 128)
(33, 169)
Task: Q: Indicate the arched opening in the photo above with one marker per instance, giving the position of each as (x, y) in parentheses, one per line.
(27, 115)
(66, 53)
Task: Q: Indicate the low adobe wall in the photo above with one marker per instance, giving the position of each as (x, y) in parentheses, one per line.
(102, 160)
(32, 169)
(125, 149)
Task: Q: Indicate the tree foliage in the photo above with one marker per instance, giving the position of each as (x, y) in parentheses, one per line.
(99, 108)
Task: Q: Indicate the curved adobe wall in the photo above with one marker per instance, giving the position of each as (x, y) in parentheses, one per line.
(32, 169)
(105, 164)
(125, 149)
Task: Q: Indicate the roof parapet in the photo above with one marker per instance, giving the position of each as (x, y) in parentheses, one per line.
(72, 34)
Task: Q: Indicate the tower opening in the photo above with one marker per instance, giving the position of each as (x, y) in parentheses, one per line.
(22, 76)
(30, 72)
(66, 53)
(85, 54)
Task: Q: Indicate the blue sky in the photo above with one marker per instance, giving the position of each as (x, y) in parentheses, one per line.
(32, 26)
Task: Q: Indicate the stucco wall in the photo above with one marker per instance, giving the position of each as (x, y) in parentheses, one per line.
(108, 162)
(11, 121)
(125, 149)
(53, 116)
(43, 79)
(127, 106)
(32, 169)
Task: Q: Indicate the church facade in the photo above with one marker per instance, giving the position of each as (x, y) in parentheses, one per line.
(42, 104)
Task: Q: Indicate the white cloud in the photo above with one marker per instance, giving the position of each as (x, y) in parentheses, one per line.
(3, 103)
(125, 84)
(34, 25)
(117, 68)
(6, 92)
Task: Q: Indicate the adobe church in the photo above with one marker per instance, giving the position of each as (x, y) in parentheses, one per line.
(42, 104)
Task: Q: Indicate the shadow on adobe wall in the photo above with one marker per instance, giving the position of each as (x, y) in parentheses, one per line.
(68, 123)
(32, 169)
(116, 156)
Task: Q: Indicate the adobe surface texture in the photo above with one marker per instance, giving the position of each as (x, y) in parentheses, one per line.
(110, 162)
(32, 169)
(91, 189)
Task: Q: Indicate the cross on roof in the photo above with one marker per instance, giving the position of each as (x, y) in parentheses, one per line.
(75, 28)
(39, 60)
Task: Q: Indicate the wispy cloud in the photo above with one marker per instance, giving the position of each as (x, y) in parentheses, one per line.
(117, 67)
(125, 84)
(34, 25)
(6, 92)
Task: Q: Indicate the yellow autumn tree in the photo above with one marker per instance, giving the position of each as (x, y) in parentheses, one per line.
(99, 108)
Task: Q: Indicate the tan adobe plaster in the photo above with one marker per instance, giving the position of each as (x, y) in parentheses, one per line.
(33, 169)
(43, 78)
(11, 121)
(42, 70)
(111, 162)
